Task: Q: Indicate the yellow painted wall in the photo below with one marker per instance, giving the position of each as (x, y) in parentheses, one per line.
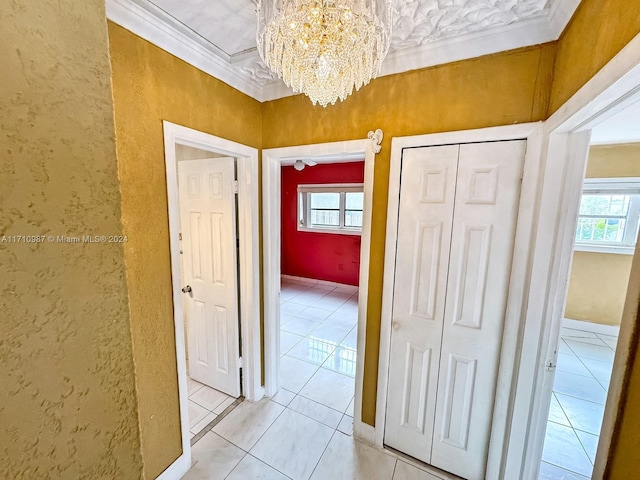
(149, 86)
(611, 161)
(67, 391)
(494, 90)
(598, 287)
(597, 32)
(598, 283)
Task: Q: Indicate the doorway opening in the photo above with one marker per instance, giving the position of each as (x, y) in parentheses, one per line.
(568, 146)
(209, 269)
(605, 237)
(212, 201)
(322, 212)
(344, 309)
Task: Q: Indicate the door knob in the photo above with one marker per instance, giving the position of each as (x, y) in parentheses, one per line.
(187, 289)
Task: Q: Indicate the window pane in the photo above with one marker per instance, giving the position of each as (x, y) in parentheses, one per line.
(354, 200)
(327, 218)
(607, 230)
(605, 205)
(353, 218)
(325, 201)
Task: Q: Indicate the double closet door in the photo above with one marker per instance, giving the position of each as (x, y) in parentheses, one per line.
(456, 229)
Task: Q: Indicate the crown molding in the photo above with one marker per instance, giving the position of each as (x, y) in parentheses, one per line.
(156, 26)
(275, 90)
(560, 14)
(471, 45)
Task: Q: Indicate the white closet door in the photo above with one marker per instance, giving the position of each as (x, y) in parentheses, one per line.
(486, 207)
(424, 231)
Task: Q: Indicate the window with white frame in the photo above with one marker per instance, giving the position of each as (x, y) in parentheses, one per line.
(609, 215)
(331, 208)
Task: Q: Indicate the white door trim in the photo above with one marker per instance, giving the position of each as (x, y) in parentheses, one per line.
(505, 393)
(567, 134)
(271, 186)
(247, 161)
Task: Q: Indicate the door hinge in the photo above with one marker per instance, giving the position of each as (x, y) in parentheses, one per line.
(235, 187)
(240, 362)
(549, 366)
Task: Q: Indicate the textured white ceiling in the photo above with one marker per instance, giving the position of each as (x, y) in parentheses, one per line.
(230, 24)
(418, 22)
(218, 36)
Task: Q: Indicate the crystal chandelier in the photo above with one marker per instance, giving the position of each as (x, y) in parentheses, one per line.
(324, 48)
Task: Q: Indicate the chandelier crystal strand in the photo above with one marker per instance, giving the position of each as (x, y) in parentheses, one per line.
(324, 48)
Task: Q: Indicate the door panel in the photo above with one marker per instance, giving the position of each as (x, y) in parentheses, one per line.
(482, 242)
(456, 416)
(207, 212)
(424, 230)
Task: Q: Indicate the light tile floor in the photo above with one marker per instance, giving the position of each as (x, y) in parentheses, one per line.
(585, 360)
(303, 432)
(318, 342)
(205, 404)
(300, 440)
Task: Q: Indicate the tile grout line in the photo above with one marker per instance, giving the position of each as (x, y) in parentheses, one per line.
(198, 436)
(236, 465)
(319, 366)
(562, 468)
(395, 466)
(248, 452)
(317, 403)
(583, 447)
(567, 469)
(322, 455)
(578, 398)
(216, 406)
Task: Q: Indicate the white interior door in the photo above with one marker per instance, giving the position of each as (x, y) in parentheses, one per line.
(485, 214)
(428, 184)
(208, 223)
(456, 230)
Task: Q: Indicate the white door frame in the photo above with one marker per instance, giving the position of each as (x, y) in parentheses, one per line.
(567, 138)
(505, 392)
(271, 187)
(248, 211)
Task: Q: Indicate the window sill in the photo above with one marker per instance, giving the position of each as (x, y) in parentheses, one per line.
(604, 249)
(333, 231)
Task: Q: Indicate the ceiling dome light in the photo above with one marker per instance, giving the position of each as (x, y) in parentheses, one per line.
(324, 48)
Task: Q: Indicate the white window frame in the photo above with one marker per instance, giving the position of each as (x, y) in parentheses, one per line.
(621, 186)
(304, 207)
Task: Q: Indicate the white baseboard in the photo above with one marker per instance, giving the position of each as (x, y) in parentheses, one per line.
(364, 432)
(612, 330)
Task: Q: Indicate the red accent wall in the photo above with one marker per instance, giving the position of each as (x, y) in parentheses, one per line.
(321, 256)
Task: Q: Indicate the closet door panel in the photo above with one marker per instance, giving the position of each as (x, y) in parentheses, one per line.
(428, 182)
(482, 241)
